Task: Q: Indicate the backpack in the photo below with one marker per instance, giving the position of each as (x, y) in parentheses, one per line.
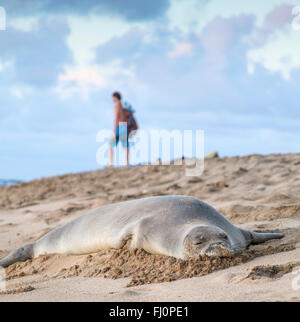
(131, 121)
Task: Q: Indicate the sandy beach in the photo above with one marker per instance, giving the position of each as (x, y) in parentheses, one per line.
(256, 192)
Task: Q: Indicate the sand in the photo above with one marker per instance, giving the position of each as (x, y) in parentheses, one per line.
(255, 192)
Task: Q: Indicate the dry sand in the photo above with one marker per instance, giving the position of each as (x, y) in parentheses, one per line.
(255, 192)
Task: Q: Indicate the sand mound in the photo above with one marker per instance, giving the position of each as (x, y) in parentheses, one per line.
(17, 290)
(140, 266)
(259, 187)
(271, 271)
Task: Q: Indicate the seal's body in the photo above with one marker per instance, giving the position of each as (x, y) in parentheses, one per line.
(167, 225)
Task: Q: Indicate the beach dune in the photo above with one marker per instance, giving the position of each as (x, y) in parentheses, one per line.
(256, 192)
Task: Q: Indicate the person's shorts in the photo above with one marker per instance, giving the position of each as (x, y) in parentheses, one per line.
(121, 135)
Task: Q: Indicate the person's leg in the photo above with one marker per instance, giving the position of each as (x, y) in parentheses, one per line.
(127, 156)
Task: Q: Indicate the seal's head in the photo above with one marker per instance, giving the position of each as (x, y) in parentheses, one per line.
(208, 240)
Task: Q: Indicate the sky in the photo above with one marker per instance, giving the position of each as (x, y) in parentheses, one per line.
(230, 68)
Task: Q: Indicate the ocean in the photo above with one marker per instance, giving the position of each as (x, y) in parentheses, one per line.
(6, 182)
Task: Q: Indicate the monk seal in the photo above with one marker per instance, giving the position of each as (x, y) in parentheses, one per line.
(177, 226)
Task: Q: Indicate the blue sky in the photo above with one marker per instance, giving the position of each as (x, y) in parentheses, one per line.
(231, 68)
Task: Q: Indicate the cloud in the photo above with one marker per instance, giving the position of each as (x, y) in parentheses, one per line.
(210, 75)
(223, 41)
(201, 69)
(186, 15)
(194, 15)
(274, 45)
(278, 17)
(88, 33)
(278, 55)
(80, 82)
(221, 34)
(184, 48)
(134, 10)
(16, 92)
(125, 47)
(38, 56)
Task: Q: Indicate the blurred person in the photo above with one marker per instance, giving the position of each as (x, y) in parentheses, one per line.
(120, 128)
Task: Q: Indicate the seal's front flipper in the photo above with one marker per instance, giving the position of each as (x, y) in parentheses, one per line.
(19, 255)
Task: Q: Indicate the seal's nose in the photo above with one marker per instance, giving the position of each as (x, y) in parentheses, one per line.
(219, 249)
